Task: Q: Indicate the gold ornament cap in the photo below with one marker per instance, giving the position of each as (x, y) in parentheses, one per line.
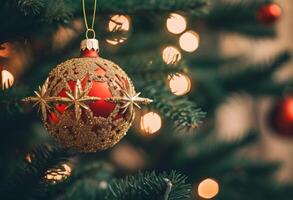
(89, 44)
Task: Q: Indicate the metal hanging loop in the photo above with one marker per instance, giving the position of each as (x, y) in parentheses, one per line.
(91, 28)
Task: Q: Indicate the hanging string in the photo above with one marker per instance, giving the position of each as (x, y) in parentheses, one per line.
(91, 28)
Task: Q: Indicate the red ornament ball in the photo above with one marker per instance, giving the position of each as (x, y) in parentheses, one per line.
(269, 13)
(281, 117)
(87, 103)
(81, 114)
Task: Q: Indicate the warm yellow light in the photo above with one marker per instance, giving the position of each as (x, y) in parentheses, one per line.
(6, 78)
(150, 122)
(116, 41)
(119, 23)
(176, 23)
(58, 174)
(171, 55)
(208, 188)
(5, 49)
(189, 41)
(179, 84)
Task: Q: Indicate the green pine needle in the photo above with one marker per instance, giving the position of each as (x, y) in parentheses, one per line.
(145, 186)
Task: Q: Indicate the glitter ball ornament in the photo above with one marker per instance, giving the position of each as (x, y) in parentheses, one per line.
(87, 103)
(269, 13)
(281, 117)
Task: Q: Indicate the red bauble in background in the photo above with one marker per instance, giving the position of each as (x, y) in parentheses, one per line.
(281, 117)
(269, 13)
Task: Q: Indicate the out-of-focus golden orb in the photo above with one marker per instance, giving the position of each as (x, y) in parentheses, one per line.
(208, 188)
(171, 55)
(59, 174)
(150, 122)
(6, 79)
(180, 84)
(189, 41)
(119, 23)
(176, 23)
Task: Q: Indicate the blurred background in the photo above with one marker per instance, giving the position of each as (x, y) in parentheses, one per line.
(220, 74)
(253, 112)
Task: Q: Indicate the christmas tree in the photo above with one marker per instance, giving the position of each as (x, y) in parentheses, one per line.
(171, 50)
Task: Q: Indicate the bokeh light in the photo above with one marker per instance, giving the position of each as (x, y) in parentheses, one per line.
(119, 23)
(208, 188)
(189, 41)
(288, 109)
(150, 122)
(176, 23)
(233, 117)
(65, 34)
(127, 157)
(275, 9)
(7, 79)
(171, 55)
(59, 174)
(180, 84)
(5, 49)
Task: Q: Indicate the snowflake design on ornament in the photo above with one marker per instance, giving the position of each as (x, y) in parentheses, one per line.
(76, 98)
(41, 99)
(129, 100)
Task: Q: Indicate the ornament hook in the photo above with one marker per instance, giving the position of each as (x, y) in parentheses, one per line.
(92, 31)
(89, 29)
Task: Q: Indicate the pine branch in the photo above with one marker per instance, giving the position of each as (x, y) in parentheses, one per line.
(10, 101)
(49, 11)
(89, 180)
(142, 43)
(134, 6)
(145, 186)
(209, 151)
(244, 18)
(27, 181)
(149, 67)
(62, 10)
(180, 110)
(272, 88)
(30, 7)
(234, 166)
(257, 74)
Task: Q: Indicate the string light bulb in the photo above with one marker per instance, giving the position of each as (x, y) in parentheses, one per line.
(208, 188)
(6, 79)
(171, 55)
(176, 23)
(179, 84)
(189, 41)
(57, 174)
(118, 24)
(150, 122)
